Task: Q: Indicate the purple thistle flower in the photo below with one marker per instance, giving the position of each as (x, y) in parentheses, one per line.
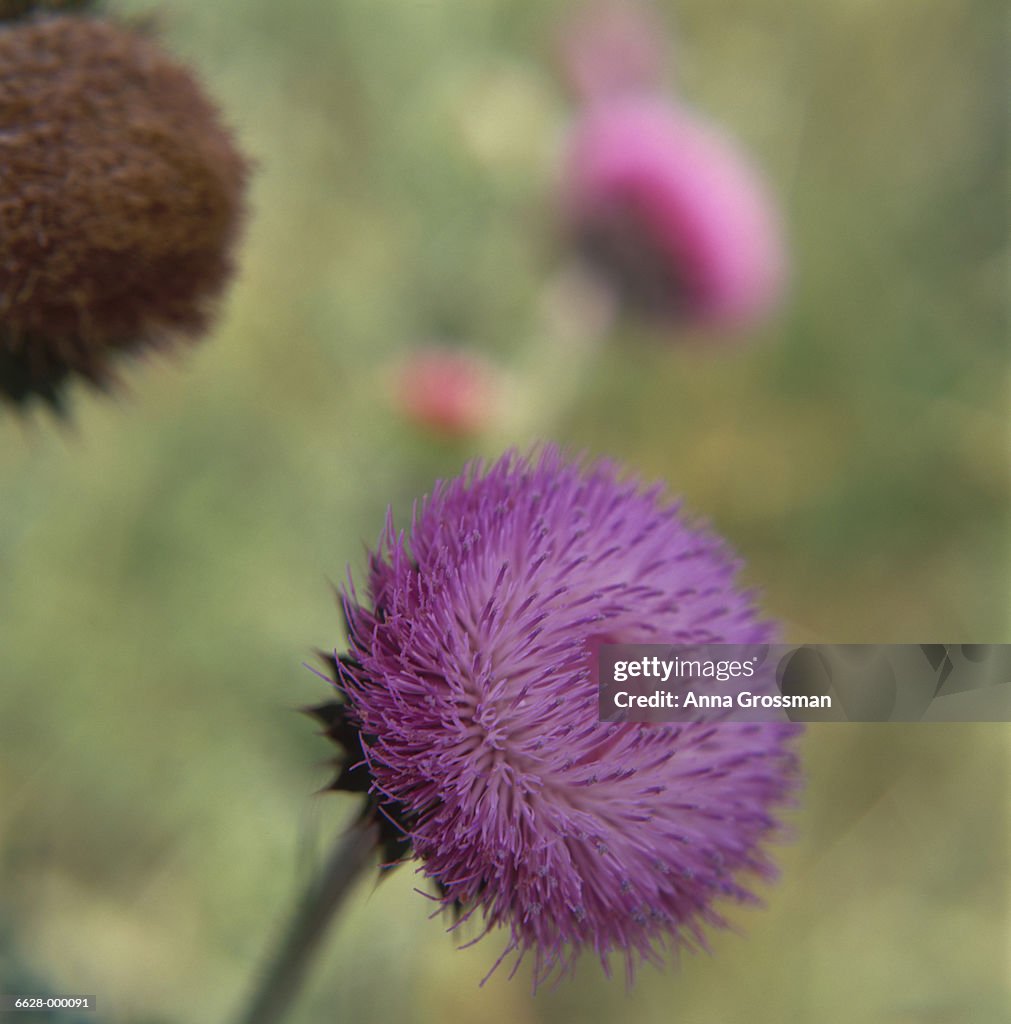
(472, 714)
(671, 214)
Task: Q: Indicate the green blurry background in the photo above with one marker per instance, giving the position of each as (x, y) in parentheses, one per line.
(165, 562)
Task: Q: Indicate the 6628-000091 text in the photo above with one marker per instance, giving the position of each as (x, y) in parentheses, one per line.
(48, 1004)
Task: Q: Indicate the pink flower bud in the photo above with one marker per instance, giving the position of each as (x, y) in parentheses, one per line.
(612, 47)
(447, 391)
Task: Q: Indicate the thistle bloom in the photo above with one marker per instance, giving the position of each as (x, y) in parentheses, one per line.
(469, 712)
(671, 214)
(120, 199)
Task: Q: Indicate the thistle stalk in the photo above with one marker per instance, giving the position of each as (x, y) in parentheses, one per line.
(288, 966)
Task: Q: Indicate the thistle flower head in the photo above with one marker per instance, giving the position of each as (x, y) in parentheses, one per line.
(447, 391)
(671, 214)
(12, 9)
(120, 199)
(474, 715)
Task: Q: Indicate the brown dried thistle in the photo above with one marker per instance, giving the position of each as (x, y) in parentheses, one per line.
(121, 197)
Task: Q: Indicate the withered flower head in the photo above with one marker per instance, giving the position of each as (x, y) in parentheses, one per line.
(121, 196)
(10, 9)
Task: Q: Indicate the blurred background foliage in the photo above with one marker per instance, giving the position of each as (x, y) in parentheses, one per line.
(166, 559)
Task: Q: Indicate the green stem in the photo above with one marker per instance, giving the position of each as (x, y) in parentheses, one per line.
(280, 984)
